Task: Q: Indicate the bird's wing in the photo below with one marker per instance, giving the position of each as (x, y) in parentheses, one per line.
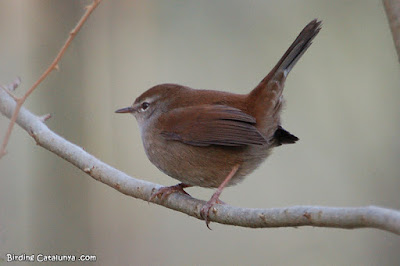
(208, 124)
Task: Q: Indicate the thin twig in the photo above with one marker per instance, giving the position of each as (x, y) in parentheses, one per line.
(53, 66)
(9, 93)
(346, 218)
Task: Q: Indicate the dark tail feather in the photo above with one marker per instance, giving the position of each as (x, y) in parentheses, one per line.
(298, 47)
(282, 136)
(293, 54)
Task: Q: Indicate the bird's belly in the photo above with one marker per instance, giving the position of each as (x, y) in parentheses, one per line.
(203, 166)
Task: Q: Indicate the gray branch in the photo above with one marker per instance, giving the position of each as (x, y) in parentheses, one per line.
(348, 218)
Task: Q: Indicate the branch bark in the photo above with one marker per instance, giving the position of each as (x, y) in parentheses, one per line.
(392, 8)
(347, 218)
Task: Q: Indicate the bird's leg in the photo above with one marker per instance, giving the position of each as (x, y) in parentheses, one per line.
(164, 192)
(205, 210)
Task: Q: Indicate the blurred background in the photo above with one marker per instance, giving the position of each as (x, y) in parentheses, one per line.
(342, 102)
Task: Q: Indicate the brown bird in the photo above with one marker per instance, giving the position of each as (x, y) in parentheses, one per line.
(214, 139)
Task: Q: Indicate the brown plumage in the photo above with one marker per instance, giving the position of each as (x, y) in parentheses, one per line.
(207, 138)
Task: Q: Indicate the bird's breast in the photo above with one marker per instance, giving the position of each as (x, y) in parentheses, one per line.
(204, 166)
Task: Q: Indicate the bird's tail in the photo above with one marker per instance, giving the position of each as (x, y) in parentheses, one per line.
(266, 99)
(293, 54)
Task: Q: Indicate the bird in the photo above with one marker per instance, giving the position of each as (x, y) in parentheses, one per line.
(211, 138)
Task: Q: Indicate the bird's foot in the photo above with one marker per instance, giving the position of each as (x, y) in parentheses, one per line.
(164, 192)
(205, 210)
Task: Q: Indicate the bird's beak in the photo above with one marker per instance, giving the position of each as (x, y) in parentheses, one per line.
(125, 110)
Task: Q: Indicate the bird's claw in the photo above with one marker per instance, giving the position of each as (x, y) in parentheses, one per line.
(164, 192)
(205, 210)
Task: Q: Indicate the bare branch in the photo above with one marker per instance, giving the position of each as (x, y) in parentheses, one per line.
(348, 218)
(53, 66)
(6, 89)
(45, 117)
(392, 8)
(12, 87)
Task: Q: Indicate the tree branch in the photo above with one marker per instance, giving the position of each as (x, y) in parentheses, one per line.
(53, 66)
(347, 218)
(392, 8)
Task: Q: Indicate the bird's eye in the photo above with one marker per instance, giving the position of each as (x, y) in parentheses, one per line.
(144, 106)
